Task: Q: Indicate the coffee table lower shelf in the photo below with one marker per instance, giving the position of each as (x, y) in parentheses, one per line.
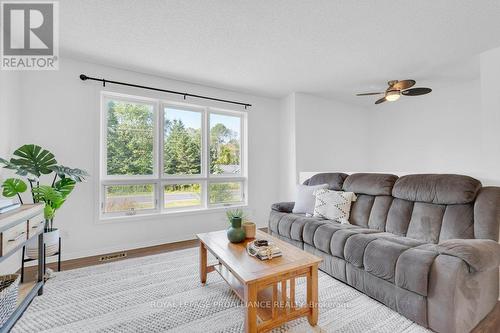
(273, 307)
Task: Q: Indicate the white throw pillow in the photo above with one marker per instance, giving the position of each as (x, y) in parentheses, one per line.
(305, 199)
(333, 205)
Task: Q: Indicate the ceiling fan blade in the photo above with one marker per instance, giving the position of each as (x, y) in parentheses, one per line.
(405, 84)
(416, 91)
(371, 93)
(382, 100)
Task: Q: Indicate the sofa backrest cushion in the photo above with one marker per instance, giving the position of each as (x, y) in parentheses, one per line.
(428, 207)
(374, 198)
(370, 183)
(437, 189)
(334, 180)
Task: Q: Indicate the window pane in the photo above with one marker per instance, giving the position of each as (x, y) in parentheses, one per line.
(225, 141)
(182, 148)
(130, 138)
(123, 198)
(182, 195)
(225, 192)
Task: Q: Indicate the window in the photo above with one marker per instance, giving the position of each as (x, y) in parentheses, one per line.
(183, 195)
(129, 198)
(223, 193)
(182, 143)
(159, 156)
(130, 138)
(225, 144)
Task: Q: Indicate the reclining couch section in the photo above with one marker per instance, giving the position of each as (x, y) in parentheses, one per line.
(423, 245)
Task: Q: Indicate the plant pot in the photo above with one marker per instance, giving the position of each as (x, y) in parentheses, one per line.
(51, 241)
(235, 233)
(250, 229)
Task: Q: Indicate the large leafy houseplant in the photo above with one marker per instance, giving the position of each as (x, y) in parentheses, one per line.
(31, 162)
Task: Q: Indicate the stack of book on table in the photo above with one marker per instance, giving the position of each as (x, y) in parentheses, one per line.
(6, 205)
(263, 249)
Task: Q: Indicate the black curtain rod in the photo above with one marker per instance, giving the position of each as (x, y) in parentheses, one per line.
(84, 77)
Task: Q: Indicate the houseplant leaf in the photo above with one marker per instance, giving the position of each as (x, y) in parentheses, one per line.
(8, 165)
(78, 175)
(49, 195)
(34, 159)
(48, 212)
(65, 186)
(13, 186)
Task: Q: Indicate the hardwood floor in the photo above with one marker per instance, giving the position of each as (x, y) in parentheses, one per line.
(30, 272)
(490, 324)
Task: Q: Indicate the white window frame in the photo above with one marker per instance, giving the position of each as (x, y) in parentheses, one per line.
(159, 179)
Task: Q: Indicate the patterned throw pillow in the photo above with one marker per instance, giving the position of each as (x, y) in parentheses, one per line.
(333, 205)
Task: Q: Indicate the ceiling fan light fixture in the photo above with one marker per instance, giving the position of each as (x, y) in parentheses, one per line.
(392, 95)
(397, 89)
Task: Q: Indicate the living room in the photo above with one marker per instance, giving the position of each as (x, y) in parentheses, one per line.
(158, 139)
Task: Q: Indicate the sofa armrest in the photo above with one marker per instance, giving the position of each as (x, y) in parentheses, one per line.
(480, 254)
(284, 207)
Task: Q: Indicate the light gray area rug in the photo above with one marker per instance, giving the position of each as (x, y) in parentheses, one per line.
(162, 293)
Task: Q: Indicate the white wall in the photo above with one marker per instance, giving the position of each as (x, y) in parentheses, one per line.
(329, 134)
(9, 111)
(288, 158)
(63, 114)
(319, 135)
(439, 132)
(490, 120)
(10, 96)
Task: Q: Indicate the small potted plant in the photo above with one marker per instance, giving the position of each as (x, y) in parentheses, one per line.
(31, 162)
(235, 233)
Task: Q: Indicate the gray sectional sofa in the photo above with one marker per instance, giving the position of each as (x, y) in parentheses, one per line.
(424, 245)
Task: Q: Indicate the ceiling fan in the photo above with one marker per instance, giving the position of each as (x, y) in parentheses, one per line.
(398, 88)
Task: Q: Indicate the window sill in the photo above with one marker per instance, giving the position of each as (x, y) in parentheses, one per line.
(152, 216)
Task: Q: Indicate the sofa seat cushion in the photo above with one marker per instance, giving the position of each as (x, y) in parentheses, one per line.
(380, 258)
(290, 225)
(324, 233)
(399, 260)
(410, 242)
(413, 268)
(355, 246)
(310, 229)
(339, 239)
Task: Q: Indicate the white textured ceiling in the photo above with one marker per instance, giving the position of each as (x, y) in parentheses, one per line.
(331, 48)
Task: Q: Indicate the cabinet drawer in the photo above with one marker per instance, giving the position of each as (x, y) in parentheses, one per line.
(13, 237)
(35, 224)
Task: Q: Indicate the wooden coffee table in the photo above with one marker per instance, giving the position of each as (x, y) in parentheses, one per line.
(257, 282)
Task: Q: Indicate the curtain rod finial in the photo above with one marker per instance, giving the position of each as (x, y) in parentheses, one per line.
(83, 77)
